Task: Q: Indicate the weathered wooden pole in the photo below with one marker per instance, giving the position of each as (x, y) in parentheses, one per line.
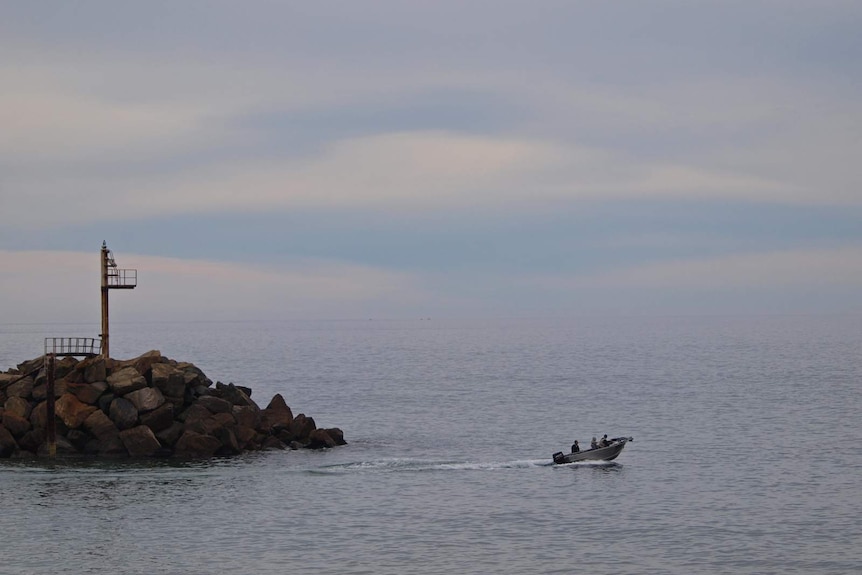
(105, 256)
(50, 426)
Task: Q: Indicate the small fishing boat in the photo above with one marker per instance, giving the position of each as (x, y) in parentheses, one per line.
(607, 453)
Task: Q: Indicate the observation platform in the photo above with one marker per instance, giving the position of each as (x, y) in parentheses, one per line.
(73, 346)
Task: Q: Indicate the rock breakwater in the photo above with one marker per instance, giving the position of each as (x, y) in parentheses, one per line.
(149, 406)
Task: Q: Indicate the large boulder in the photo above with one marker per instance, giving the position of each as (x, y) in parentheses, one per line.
(319, 439)
(32, 440)
(7, 443)
(140, 441)
(94, 369)
(194, 413)
(336, 434)
(112, 447)
(244, 435)
(277, 413)
(72, 411)
(123, 413)
(87, 392)
(205, 426)
(100, 425)
(142, 364)
(247, 415)
(22, 388)
(126, 380)
(193, 444)
(300, 428)
(229, 443)
(19, 406)
(146, 399)
(159, 419)
(32, 365)
(63, 445)
(64, 367)
(168, 379)
(40, 390)
(16, 424)
(236, 395)
(169, 437)
(39, 415)
(193, 375)
(215, 404)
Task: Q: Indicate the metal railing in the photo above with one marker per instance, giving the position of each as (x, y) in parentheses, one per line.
(121, 278)
(73, 346)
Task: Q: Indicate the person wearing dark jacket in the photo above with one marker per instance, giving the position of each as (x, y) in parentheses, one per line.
(575, 447)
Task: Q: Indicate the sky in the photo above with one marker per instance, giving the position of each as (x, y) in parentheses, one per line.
(353, 159)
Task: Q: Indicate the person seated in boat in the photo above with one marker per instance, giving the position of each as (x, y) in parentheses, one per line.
(594, 444)
(604, 442)
(575, 447)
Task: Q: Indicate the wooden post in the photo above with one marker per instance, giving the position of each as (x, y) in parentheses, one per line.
(104, 335)
(50, 427)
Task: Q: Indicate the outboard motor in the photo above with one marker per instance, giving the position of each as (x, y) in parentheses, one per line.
(558, 457)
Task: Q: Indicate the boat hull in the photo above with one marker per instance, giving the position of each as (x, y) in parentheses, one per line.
(608, 453)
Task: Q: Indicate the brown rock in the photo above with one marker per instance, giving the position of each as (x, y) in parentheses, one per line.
(64, 367)
(244, 435)
(236, 395)
(7, 443)
(319, 439)
(16, 424)
(123, 413)
(337, 435)
(143, 363)
(301, 427)
(204, 426)
(277, 413)
(87, 392)
(100, 425)
(31, 365)
(273, 443)
(126, 380)
(169, 437)
(112, 447)
(22, 388)
(229, 443)
(64, 447)
(94, 369)
(40, 390)
(194, 412)
(19, 406)
(193, 376)
(248, 415)
(72, 411)
(215, 404)
(140, 441)
(159, 419)
(146, 399)
(225, 419)
(39, 415)
(78, 438)
(168, 379)
(32, 440)
(193, 444)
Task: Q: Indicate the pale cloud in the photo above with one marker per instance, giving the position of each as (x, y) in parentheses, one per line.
(777, 270)
(64, 286)
(401, 171)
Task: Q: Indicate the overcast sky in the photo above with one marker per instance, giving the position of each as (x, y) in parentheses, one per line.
(371, 159)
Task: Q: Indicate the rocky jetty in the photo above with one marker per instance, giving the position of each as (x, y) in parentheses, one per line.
(150, 406)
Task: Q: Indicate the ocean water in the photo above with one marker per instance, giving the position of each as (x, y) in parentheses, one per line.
(747, 452)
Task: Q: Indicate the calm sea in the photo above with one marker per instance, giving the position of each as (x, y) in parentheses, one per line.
(747, 455)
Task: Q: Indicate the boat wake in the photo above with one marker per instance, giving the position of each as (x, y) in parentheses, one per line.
(398, 465)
